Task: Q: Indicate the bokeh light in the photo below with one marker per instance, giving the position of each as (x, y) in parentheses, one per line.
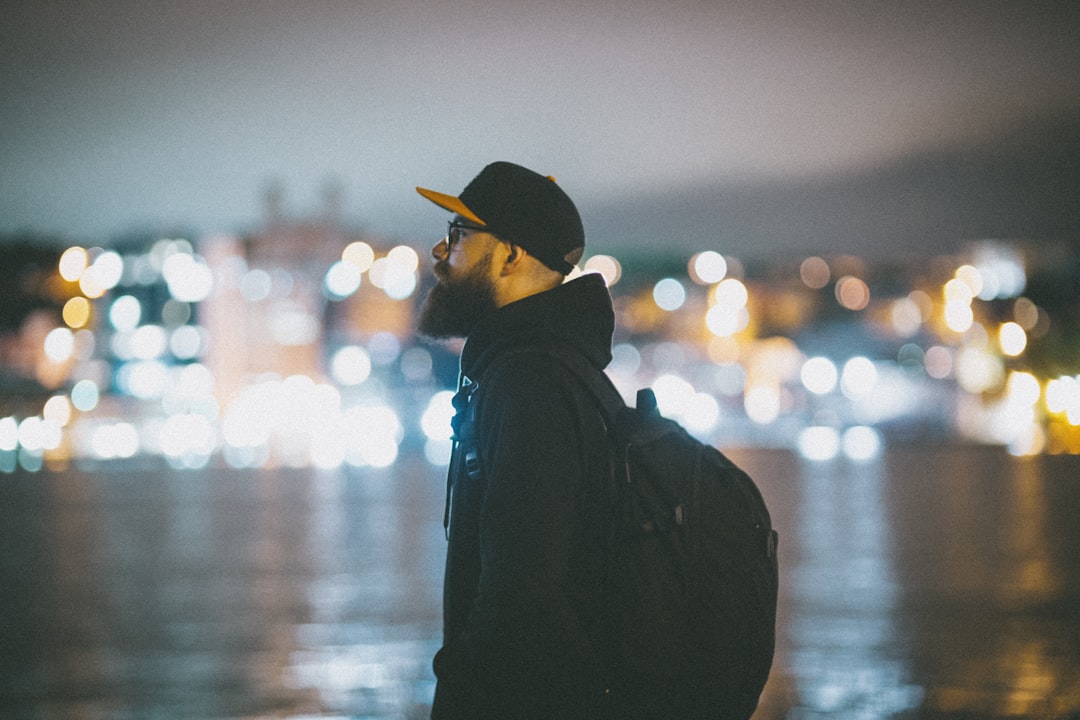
(762, 403)
(342, 280)
(731, 293)
(852, 293)
(669, 294)
(818, 443)
(188, 277)
(978, 371)
(350, 365)
(76, 312)
(73, 262)
(9, 434)
(861, 443)
(815, 273)
(57, 409)
(255, 285)
(607, 266)
(108, 269)
(1012, 339)
(59, 345)
(115, 440)
(958, 316)
(359, 254)
(707, 268)
(125, 313)
(819, 375)
(858, 378)
(85, 395)
(187, 342)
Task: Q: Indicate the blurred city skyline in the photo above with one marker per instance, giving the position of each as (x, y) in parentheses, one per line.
(898, 130)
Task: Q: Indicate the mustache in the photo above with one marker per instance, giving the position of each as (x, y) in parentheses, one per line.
(441, 270)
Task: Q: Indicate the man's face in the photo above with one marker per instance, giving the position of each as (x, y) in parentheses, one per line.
(464, 292)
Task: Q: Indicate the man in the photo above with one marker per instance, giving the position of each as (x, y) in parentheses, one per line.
(523, 617)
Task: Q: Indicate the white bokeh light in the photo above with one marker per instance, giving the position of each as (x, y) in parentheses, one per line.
(188, 277)
(350, 365)
(59, 344)
(819, 443)
(1012, 339)
(708, 267)
(859, 377)
(669, 294)
(125, 313)
(342, 280)
(762, 403)
(861, 443)
(819, 375)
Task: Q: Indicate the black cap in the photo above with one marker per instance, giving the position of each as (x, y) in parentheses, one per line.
(523, 207)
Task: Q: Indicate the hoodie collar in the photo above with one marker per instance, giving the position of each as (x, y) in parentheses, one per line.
(576, 313)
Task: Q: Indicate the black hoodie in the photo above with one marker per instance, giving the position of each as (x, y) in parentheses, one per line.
(522, 611)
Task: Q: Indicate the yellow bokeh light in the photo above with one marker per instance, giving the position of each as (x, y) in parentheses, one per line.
(76, 312)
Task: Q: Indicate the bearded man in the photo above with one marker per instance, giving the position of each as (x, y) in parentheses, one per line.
(523, 615)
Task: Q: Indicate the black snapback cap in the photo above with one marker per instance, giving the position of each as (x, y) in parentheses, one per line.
(522, 207)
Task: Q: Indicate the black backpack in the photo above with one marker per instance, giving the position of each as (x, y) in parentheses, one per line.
(692, 586)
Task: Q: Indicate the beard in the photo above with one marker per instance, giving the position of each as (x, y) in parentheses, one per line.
(453, 308)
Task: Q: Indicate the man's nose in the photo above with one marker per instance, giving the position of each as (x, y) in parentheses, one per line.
(440, 250)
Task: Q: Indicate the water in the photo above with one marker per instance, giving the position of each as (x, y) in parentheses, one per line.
(935, 582)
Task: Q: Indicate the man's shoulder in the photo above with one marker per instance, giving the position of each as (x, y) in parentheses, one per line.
(535, 392)
(528, 375)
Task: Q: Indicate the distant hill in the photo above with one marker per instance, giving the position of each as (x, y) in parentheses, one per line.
(1025, 185)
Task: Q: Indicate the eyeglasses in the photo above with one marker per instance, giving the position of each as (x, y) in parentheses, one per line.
(455, 230)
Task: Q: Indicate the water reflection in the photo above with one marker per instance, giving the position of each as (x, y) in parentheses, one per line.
(847, 657)
(377, 549)
(931, 582)
(1027, 544)
(991, 596)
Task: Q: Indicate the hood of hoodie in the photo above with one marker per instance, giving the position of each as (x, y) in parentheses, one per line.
(576, 313)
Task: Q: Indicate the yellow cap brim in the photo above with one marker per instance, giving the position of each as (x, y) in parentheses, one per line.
(451, 203)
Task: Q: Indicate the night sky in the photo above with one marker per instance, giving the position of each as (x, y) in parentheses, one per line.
(751, 127)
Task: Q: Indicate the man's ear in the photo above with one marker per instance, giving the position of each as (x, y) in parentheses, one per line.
(513, 259)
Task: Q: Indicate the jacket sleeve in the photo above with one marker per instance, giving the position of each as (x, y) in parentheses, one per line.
(526, 650)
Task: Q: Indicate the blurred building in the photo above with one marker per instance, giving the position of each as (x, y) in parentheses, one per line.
(266, 313)
(294, 345)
